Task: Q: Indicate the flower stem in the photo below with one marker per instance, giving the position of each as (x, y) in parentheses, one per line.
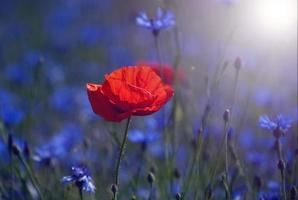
(158, 55)
(282, 170)
(120, 157)
(80, 193)
(151, 191)
(226, 179)
(31, 176)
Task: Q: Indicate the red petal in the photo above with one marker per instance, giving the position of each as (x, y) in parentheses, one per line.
(125, 87)
(102, 106)
(164, 94)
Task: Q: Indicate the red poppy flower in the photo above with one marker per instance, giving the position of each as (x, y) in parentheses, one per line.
(166, 72)
(127, 91)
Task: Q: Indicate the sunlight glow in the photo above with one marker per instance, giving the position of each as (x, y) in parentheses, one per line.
(276, 15)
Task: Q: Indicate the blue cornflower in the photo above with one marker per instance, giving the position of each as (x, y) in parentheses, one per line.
(32, 59)
(81, 177)
(10, 112)
(16, 73)
(162, 20)
(138, 136)
(11, 115)
(62, 99)
(279, 127)
(60, 145)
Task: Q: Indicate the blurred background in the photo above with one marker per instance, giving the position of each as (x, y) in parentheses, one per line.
(50, 49)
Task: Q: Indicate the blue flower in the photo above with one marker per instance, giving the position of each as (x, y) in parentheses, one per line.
(60, 145)
(81, 177)
(10, 112)
(279, 127)
(11, 115)
(4, 159)
(162, 20)
(32, 58)
(138, 136)
(18, 74)
(62, 99)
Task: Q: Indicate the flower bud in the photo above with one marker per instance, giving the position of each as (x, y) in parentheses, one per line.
(281, 165)
(133, 197)
(293, 193)
(16, 149)
(150, 177)
(26, 151)
(178, 196)
(238, 63)
(208, 192)
(176, 173)
(257, 182)
(152, 170)
(226, 115)
(114, 188)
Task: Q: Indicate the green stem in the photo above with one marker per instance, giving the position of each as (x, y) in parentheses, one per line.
(226, 163)
(80, 193)
(120, 157)
(31, 176)
(151, 191)
(282, 171)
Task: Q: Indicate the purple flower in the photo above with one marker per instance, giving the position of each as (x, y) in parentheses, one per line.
(81, 177)
(279, 127)
(163, 20)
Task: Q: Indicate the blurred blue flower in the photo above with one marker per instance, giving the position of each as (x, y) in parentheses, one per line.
(54, 72)
(58, 26)
(138, 136)
(11, 115)
(32, 58)
(60, 145)
(82, 102)
(62, 99)
(4, 159)
(18, 74)
(279, 127)
(163, 20)
(81, 178)
(90, 35)
(272, 193)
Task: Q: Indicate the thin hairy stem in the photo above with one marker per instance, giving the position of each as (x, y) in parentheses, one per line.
(120, 157)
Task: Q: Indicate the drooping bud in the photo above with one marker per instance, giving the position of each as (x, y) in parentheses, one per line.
(26, 151)
(281, 165)
(114, 188)
(176, 173)
(150, 177)
(16, 149)
(178, 196)
(238, 63)
(257, 182)
(293, 193)
(208, 192)
(226, 116)
(152, 170)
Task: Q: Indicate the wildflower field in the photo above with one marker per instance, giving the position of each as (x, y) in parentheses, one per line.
(148, 100)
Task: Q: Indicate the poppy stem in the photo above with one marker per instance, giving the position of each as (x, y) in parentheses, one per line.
(120, 157)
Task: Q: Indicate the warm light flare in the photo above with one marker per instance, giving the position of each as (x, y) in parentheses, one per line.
(276, 15)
